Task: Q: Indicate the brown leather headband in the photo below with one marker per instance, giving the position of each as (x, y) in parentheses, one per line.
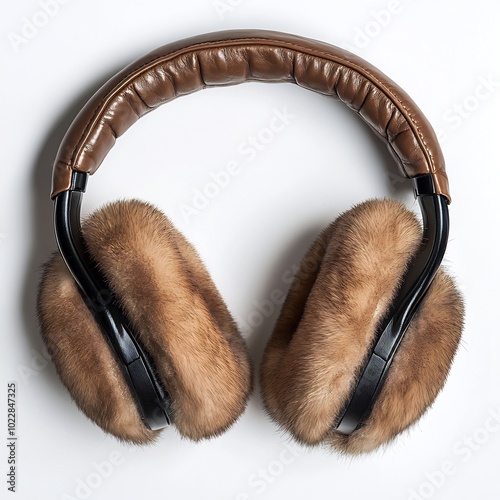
(232, 57)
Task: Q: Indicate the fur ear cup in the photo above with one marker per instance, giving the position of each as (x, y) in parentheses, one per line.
(83, 358)
(179, 317)
(327, 327)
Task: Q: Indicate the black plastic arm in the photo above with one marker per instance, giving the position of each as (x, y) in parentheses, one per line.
(152, 399)
(415, 284)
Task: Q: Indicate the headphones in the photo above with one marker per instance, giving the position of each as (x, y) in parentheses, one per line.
(138, 331)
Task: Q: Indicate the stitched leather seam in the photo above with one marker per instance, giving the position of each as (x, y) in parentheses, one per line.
(255, 41)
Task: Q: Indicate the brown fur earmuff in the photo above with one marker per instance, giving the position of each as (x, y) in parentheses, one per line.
(171, 302)
(327, 327)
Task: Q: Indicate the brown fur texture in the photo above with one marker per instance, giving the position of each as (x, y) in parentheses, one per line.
(327, 327)
(172, 303)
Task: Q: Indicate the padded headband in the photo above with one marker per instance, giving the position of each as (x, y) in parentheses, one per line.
(232, 57)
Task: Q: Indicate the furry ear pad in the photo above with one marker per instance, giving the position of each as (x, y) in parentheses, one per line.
(177, 313)
(327, 326)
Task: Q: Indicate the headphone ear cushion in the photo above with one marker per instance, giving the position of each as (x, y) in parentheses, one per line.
(327, 325)
(83, 358)
(180, 318)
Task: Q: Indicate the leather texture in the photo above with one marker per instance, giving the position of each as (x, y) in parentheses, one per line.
(233, 57)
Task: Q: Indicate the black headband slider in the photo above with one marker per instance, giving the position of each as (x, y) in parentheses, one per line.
(424, 185)
(79, 181)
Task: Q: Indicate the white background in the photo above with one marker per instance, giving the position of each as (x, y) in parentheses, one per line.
(256, 229)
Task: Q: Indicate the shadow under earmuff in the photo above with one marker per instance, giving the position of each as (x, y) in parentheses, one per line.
(261, 318)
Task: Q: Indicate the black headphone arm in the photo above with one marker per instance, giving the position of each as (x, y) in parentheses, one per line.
(151, 397)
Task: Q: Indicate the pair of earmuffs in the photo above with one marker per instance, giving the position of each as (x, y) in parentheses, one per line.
(138, 331)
